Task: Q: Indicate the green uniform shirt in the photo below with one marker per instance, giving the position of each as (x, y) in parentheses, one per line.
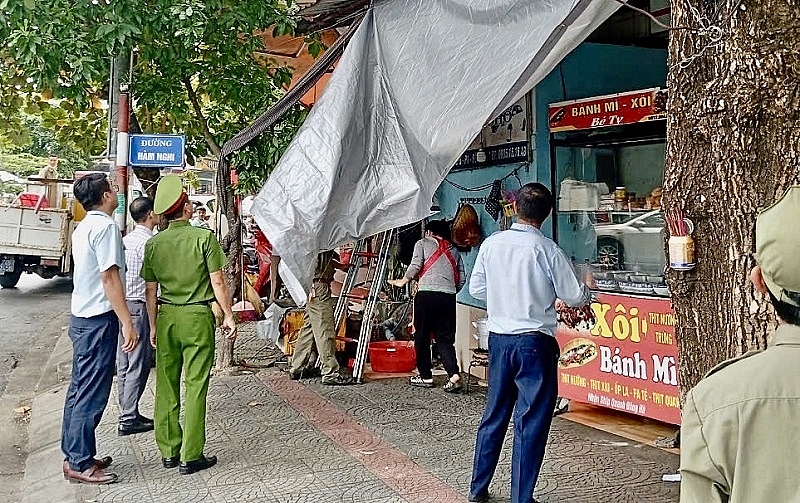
(740, 431)
(180, 259)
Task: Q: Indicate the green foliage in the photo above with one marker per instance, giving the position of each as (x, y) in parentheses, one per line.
(315, 45)
(41, 142)
(255, 162)
(190, 179)
(23, 165)
(10, 188)
(196, 69)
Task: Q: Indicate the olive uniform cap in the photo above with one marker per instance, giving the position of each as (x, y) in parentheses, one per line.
(778, 247)
(168, 194)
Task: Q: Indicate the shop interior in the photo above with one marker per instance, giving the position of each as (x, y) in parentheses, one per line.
(608, 216)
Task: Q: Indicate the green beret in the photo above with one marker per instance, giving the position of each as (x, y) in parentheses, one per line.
(168, 194)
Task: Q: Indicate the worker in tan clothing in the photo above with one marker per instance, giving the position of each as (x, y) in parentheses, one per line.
(740, 434)
(319, 327)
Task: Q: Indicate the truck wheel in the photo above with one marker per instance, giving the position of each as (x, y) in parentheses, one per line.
(10, 279)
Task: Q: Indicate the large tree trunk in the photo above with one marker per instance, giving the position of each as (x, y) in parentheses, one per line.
(232, 246)
(733, 147)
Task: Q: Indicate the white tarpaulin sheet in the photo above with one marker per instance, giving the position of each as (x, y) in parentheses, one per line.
(412, 89)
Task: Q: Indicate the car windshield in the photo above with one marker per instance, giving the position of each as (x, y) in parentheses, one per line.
(623, 217)
(613, 217)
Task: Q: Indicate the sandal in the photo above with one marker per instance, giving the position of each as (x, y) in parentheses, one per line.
(452, 387)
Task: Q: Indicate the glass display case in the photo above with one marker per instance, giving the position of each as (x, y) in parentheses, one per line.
(607, 167)
(608, 215)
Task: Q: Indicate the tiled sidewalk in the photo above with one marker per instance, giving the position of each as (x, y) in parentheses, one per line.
(381, 442)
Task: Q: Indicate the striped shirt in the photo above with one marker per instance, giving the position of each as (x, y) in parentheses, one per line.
(134, 256)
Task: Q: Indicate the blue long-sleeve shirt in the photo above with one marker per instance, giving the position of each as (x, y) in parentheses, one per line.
(520, 273)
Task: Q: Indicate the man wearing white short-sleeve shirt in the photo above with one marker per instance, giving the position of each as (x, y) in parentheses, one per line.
(98, 313)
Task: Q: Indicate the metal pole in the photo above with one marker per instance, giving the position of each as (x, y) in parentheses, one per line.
(121, 171)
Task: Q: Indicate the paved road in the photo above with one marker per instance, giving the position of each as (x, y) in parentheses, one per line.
(25, 311)
(32, 317)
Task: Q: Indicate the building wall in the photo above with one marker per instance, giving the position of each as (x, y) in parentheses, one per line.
(590, 70)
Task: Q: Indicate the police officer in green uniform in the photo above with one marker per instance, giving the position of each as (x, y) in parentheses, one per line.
(186, 263)
(740, 431)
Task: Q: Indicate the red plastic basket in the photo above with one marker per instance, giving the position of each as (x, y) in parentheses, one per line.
(30, 200)
(392, 356)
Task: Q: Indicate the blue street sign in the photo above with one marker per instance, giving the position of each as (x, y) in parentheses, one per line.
(156, 150)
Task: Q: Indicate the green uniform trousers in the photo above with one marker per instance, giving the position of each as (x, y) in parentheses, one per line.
(184, 342)
(318, 326)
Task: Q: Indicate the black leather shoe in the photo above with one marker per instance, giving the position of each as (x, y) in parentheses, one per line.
(134, 428)
(306, 373)
(190, 467)
(337, 380)
(170, 462)
(143, 419)
(478, 498)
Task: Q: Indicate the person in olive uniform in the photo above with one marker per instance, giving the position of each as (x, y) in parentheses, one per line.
(739, 431)
(319, 327)
(186, 262)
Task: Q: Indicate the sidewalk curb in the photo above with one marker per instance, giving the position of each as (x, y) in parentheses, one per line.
(43, 480)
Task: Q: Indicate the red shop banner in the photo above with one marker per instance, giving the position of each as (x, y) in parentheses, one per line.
(612, 110)
(620, 352)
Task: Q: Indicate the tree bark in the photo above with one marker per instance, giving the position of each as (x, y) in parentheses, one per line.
(232, 246)
(195, 101)
(232, 242)
(733, 147)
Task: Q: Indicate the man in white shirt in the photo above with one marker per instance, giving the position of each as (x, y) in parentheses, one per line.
(133, 368)
(520, 273)
(199, 219)
(98, 310)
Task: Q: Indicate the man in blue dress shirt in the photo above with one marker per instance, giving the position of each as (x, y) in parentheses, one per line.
(520, 273)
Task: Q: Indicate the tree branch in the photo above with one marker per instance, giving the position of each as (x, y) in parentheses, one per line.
(212, 144)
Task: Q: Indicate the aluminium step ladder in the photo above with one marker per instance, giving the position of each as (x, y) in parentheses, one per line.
(376, 277)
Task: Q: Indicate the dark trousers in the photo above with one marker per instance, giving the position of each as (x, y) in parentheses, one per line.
(94, 345)
(523, 380)
(435, 312)
(133, 368)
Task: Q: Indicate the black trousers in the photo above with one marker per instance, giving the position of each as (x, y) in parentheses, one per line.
(435, 312)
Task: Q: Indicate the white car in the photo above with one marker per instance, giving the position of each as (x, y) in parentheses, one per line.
(632, 240)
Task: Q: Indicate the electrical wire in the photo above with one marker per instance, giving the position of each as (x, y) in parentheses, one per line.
(514, 173)
(653, 18)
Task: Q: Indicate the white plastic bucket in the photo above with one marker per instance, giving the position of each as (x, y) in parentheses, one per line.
(482, 332)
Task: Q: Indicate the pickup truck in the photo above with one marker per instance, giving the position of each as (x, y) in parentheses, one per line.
(36, 231)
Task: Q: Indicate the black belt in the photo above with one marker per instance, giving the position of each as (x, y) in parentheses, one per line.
(206, 303)
(534, 333)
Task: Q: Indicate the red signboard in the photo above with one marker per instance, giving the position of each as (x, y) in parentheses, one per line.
(621, 353)
(613, 110)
